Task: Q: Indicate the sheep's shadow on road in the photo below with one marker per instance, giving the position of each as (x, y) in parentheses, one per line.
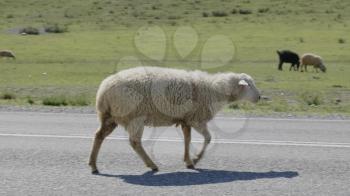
(199, 177)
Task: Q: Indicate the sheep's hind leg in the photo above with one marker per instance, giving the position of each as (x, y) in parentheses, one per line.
(106, 128)
(135, 131)
(187, 137)
(203, 130)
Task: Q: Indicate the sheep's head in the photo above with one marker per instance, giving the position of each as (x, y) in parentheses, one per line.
(236, 87)
(323, 68)
(247, 89)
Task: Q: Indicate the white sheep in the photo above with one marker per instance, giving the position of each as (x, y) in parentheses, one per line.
(154, 96)
(7, 53)
(314, 60)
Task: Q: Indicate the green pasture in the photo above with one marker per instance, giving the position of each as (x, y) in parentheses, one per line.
(66, 68)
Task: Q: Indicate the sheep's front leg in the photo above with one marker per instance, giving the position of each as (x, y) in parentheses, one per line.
(135, 135)
(203, 130)
(187, 137)
(316, 69)
(280, 65)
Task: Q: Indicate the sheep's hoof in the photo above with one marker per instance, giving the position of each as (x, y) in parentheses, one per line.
(190, 167)
(155, 169)
(95, 172)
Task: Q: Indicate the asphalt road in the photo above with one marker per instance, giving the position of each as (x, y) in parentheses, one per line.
(46, 154)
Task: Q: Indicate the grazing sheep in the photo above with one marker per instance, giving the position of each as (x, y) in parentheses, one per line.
(287, 56)
(154, 96)
(312, 59)
(7, 53)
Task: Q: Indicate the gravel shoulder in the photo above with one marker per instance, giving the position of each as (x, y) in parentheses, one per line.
(238, 114)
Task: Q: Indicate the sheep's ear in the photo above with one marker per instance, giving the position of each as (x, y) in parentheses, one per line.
(242, 83)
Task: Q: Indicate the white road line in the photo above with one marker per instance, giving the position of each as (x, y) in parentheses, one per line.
(282, 119)
(216, 141)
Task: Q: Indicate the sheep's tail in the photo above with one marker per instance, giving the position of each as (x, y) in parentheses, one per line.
(278, 52)
(102, 105)
(104, 112)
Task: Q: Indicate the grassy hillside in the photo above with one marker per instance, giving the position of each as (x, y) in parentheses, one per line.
(68, 67)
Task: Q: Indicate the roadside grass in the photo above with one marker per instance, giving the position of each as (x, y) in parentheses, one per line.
(101, 32)
(312, 99)
(62, 100)
(30, 100)
(286, 91)
(7, 96)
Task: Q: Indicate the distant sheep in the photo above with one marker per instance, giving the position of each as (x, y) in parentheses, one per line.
(153, 96)
(287, 56)
(314, 60)
(7, 53)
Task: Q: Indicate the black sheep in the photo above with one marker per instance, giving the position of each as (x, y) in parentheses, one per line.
(287, 56)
